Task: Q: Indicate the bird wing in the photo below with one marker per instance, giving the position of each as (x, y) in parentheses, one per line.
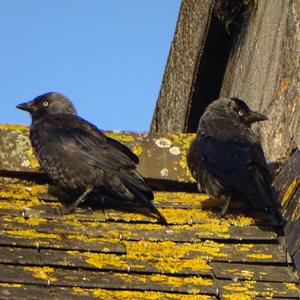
(239, 165)
(224, 158)
(99, 134)
(77, 138)
(123, 149)
(261, 163)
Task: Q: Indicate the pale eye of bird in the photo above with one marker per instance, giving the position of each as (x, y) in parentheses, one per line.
(241, 113)
(45, 103)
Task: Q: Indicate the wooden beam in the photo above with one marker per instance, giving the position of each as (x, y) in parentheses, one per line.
(287, 184)
(263, 69)
(174, 100)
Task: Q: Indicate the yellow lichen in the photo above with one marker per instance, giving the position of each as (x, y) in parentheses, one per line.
(260, 256)
(127, 217)
(15, 190)
(138, 150)
(237, 296)
(178, 281)
(32, 159)
(121, 136)
(18, 191)
(175, 250)
(41, 272)
(246, 274)
(136, 295)
(290, 190)
(222, 230)
(100, 260)
(14, 127)
(183, 141)
(173, 265)
(180, 198)
(34, 221)
(32, 234)
(244, 287)
(14, 204)
(12, 285)
(246, 247)
(88, 239)
(291, 286)
(37, 189)
(196, 215)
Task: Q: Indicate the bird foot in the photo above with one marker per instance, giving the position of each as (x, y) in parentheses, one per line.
(220, 214)
(64, 210)
(223, 212)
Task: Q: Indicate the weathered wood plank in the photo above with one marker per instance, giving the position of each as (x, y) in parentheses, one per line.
(21, 292)
(106, 262)
(287, 181)
(162, 156)
(91, 279)
(135, 213)
(26, 190)
(38, 240)
(292, 211)
(257, 288)
(174, 101)
(228, 296)
(130, 231)
(288, 184)
(201, 208)
(210, 250)
(263, 69)
(237, 272)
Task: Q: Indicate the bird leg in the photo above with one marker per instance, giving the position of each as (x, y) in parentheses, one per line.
(103, 204)
(225, 208)
(68, 209)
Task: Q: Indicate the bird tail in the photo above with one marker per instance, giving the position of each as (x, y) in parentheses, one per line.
(143, 198)
(267, 199)
(131, 180)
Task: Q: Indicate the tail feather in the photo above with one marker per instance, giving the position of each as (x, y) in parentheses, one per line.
(142, 198)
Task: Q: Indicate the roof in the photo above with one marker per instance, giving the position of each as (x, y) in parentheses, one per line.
(119, 251)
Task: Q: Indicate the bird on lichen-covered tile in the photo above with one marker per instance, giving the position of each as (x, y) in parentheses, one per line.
(79, 157)
(227, 159)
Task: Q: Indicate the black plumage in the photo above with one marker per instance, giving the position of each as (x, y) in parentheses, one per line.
(226, 157)
(79, 157)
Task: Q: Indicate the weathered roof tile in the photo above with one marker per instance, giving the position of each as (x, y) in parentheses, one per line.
(120, 251)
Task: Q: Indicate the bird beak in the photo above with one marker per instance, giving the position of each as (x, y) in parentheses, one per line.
(254, 116)
(27, 106)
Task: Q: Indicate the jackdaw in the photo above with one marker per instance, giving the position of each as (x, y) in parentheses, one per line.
(227, 160)
(79, 157)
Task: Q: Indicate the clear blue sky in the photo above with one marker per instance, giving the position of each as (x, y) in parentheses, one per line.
(107, 56)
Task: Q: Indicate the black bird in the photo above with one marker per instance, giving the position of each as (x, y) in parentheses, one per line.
(79, 157)
(226, 158)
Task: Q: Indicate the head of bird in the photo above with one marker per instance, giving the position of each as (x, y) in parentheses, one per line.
(48, 104)
(233, 109)
(242, 111)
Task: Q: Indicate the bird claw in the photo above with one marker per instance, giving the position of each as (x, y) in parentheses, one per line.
(64, 210)
(220, 214)
(223, 212)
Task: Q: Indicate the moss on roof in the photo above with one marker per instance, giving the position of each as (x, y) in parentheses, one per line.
(122, 252)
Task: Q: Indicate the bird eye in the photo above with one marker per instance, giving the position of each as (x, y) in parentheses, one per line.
(45, 103)
(241, 113)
